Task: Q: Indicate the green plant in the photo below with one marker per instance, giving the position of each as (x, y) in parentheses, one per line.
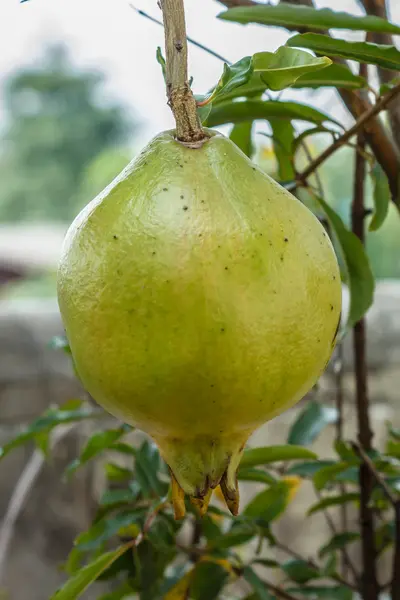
(134, 540)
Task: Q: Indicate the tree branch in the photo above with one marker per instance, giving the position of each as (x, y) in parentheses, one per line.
(361, 123)
(393, 499)
(378, 9)
(370, 588)
(180, 96)
(375, 134)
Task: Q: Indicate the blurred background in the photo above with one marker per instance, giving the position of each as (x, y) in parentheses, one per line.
(80, 94)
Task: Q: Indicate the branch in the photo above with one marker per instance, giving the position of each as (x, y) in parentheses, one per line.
(357, 105)
(360, 124)
(180, 96)
(314, 565)
(393, 499)
(370, 588)
(378, 9)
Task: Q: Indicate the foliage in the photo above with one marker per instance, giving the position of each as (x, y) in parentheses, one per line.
(134, 542)
(57, 124)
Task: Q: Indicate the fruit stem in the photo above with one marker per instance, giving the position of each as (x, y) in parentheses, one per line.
(180, 96)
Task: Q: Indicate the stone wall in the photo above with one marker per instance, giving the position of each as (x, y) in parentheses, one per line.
(33, 376)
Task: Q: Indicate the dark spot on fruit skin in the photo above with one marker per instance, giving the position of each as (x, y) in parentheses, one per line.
(331, 305)
(185, 207)
(318, 340)
(334, 278)
(153, 253)
(165, 189)
(219, 246)
(202, 201)
(260, 234)
(115, 237)
(214, 401)
(222, 330)
(286, 240)
(212, 385)
(226, 268)
(281, 257)
(254, 168)
(181, 166)
(200, 234)
(182, 197)
(167, 281)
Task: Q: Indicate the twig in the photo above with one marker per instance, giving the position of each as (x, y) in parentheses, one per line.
(314, 565)
(370, 588)
(358, 125)
(393, 499)
(339, 398)
(142, 13)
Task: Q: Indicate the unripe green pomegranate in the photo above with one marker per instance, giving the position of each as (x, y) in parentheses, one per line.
(200, 300)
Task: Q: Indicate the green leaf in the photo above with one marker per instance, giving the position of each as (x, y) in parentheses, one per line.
(234, 76)
(237, 535)
(77, 584)
(361, 279)
(257, 584)
(115, 497)
(254, 88)
(123, 591)
(208, 580)
(48, 421)
(290, 16)
(299, 570)
(333, 501)
(161, 61)
(393, 448)
(381, 197)
(283, 138)
(266, 562)
(344, 450)
(269, 504)
(250, 474)
(308, 469)
(328, 474)
(387, 57)
(337, 76)
(384, 536)
(107, 528)
(339, 541)
(262, 456)
(116, 473)
(241, 136)
(310, 422)
(336, 592)
(96, 444)
(282, 68)
(237, 112)
(147, 465)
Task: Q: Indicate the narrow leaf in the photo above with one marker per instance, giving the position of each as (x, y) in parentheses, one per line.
(257, 584)
(336, 592)
(241, 136)
(337, 76)
(300, 571)
(283, 138)
(339, 541)
(311, 421)
(308, 469)
(381, 197)
(237, 112)
(333, 501)
(161, 61)
(250, 474)
(328, 474)
(262, 456)
(269, 504)
(96, 444)
(284, 15)
(236, 536)
(361, 280)
(387, 57)
(282, 68)
(75, 586)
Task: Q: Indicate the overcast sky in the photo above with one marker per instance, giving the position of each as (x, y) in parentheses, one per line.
(110, 35)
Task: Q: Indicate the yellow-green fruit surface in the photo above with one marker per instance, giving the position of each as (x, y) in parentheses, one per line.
(200, 299)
